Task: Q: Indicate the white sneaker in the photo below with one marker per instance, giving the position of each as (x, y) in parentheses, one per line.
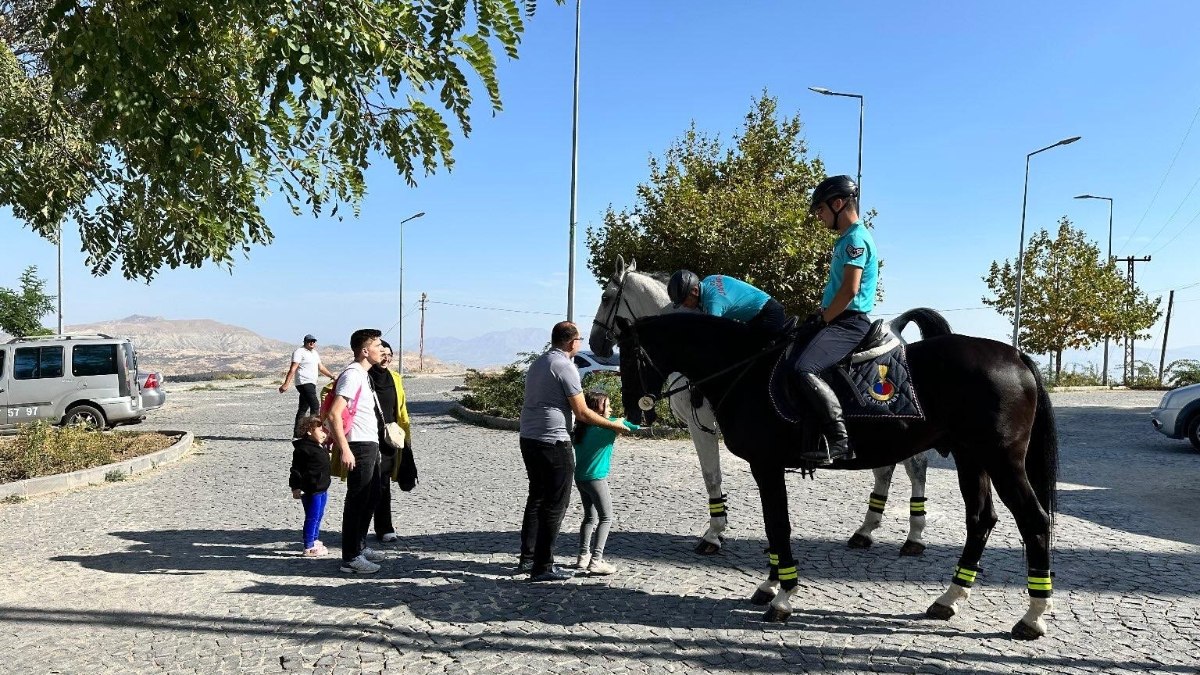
(373, 555)
(599, 568)
(582, 562)
(389, 538)
(360, 565)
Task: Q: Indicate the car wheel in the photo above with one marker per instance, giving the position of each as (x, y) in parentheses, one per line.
(1194, 431)
(86, 415)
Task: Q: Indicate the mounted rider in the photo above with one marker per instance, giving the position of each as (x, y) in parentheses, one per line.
(842, 322)
(721, 295)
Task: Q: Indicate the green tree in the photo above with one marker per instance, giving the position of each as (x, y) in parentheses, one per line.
(161, 127)
(21, 311)
(1069, 298)
(741, 210)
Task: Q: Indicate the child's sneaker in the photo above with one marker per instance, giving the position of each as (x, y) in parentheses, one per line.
(315, 552)
(582, 562)
(372, 555)
(599, 568)
(360, 565)
(317, 544)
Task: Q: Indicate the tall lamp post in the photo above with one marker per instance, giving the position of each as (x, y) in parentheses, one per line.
(574, 173)
(400, 336)
(826, 92)
(1021, 247)
(1110, 219)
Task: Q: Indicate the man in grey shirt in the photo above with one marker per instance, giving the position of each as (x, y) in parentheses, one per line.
(552, 394)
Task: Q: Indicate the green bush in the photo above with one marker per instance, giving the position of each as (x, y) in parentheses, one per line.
(41, 449)
(1182, 373)
(1145, 376)
(1076, 376)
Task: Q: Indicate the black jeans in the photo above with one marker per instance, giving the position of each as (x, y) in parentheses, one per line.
(551, 468)
(770, 321)
(833, 342)
(383, 508)
(309, 405)
(362, 493)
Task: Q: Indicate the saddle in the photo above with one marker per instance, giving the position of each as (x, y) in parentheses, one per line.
(872, 381)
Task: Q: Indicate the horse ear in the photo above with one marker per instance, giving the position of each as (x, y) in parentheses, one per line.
(620, 267)
(632, 266)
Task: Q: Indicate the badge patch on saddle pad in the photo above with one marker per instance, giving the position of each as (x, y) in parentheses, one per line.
(875, 387)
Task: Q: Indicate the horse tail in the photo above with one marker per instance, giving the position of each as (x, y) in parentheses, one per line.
(929, 321)
(1041, 461)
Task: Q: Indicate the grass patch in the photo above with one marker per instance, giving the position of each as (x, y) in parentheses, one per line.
(114, 476)
(14, 499)
(41, 449)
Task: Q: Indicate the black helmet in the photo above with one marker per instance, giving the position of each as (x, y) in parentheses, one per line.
(681, 285)
(834, 187)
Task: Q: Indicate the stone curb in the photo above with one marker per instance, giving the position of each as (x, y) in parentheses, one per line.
(469, 416)
(65, 481)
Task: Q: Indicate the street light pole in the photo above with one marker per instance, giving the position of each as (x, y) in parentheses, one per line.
(1104, 376)
(60, 288)
(861, 106)
(574, 172)
(400, 335)
(1021, 246)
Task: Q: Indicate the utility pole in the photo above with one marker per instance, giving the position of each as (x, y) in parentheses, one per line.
(1128, 368)
(421, 354)
(1162, 359)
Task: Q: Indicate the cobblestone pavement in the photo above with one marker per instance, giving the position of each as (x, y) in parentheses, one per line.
(195, 567)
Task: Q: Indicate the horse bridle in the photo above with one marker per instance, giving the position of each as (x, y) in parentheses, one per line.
(610, 324)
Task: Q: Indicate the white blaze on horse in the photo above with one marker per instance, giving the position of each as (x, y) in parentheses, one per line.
(630, 295)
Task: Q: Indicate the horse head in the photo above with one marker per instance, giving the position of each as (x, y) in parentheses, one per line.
(628, 295)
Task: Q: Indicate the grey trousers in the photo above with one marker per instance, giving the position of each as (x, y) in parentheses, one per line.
(597, 515)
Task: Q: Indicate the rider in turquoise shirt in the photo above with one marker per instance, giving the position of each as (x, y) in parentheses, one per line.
(724, 296)
(855, 248)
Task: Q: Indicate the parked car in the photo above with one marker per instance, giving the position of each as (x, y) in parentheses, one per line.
(153, 394)
(1178, 414)
(69, 379)
(588, 363)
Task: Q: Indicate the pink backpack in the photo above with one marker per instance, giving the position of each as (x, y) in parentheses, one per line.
(327, 396)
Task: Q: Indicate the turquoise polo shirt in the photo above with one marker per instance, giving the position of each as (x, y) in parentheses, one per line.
(593, 455)
(731, 298)
(856, 247)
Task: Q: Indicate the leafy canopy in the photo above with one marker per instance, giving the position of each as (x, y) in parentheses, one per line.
(161, 127)
(741, 211)
(1070, 299)
(21, 310)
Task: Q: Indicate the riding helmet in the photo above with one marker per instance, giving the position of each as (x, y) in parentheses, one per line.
(681, 285)
(834, 187)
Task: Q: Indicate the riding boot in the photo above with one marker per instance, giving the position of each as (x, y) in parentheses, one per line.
(824, 404)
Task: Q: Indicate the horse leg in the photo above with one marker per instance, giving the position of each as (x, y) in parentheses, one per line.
(1017, 494)
(981, 518)
(916, 467)
(773, 491)
(702, 428)
(883, 482)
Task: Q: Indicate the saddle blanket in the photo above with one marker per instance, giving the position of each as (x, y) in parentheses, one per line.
(876, 383)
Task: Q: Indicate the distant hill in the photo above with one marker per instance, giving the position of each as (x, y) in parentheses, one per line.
(497, 348)
(185, 346)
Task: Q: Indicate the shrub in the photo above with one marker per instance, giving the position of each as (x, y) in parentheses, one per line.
(1182, 373)
(41, 449)
(1076, 376)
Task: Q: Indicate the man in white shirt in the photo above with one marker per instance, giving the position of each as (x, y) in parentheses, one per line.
(357, 443)
(306, 363)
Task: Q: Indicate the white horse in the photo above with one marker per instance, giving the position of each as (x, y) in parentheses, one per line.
(630, 295)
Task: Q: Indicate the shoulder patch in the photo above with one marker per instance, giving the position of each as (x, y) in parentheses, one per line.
(855, 251)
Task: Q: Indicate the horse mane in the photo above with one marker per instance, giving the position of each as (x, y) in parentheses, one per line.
(730, 337)
(661, 277)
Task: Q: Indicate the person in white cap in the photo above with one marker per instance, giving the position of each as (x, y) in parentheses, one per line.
(306, 363)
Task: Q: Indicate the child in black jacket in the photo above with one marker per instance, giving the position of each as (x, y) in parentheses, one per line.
(310, 481)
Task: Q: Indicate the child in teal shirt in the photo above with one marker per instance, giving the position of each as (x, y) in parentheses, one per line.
(593, 455)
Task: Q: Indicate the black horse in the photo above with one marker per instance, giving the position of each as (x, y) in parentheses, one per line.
(984, 403)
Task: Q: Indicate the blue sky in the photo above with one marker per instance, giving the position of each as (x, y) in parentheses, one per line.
(956, 95)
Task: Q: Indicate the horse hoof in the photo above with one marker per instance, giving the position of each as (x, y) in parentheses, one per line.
(776, 615)
(1023, 631)
(761, 598)
(912, 548)
(941, 612)
(859, 541)
(707, 548)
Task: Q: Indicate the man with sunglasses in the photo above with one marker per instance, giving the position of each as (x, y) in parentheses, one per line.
(553, 393)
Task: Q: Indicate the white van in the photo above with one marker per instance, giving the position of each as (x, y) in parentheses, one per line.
(68, 379)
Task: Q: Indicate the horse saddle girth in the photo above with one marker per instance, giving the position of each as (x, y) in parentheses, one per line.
(873, 381)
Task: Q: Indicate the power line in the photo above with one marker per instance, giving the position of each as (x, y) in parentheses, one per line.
(503, 309)
(1164, 178)
(1168, 220)
(1176, 235)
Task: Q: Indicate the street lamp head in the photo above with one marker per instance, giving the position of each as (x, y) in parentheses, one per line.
(1068, 141)
(821, 90)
